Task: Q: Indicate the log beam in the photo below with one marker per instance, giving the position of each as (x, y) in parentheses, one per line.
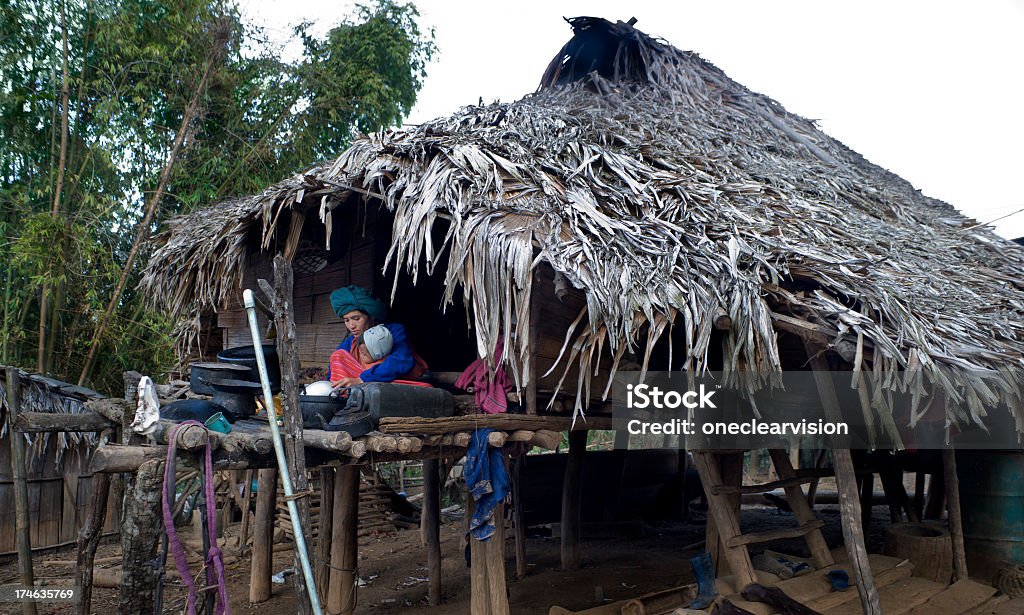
(41, 422)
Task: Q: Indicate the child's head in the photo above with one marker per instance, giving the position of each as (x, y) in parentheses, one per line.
(374, 344)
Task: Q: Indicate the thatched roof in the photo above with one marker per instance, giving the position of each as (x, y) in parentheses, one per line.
(41, 394)
(668, 193)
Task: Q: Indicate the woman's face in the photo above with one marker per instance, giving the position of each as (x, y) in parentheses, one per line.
(357, 321)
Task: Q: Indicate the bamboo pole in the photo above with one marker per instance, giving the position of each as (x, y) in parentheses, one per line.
(572, 494)
(263, 537)
(22, 523)
(431, 521)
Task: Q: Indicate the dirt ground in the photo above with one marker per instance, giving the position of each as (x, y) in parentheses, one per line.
(636, 559)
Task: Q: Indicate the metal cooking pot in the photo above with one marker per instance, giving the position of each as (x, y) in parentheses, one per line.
(246, 355)
(201, 373)
(237, 396)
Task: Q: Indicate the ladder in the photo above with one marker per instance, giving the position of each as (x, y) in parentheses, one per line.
(721, 473)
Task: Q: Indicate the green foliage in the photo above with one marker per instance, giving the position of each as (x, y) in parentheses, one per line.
(133, 66)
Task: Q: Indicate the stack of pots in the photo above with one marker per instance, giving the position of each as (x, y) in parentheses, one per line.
(234, 379)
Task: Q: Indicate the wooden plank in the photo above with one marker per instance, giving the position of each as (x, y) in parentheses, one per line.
(502, 422)
(896, 599)
(323, 312)
(828, 599)
(753, 538)
(956, 598)
(764, 487)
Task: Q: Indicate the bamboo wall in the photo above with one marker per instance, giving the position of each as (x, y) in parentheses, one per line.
(58, 494)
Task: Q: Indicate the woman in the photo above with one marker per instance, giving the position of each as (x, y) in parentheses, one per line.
(360, 312)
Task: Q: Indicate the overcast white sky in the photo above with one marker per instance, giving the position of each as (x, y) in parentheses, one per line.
(932, 90)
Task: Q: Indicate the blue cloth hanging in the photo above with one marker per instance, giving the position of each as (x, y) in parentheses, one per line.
(488, 483)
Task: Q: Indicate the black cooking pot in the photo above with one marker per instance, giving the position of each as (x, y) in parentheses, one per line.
(237, 396)
(246, 355)
(194, 410)
(318, 410)
(201, 373)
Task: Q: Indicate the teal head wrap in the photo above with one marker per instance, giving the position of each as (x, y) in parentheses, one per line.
(345, 300)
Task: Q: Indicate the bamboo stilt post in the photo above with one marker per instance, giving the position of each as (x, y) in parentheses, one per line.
(22, 523)
(295, 451)
(517, 515)
(956, 526)
(341, 597)
(89, 540)
(263, 537)
(431, 521)
(139, 535)
(846, 484)
(572, 495)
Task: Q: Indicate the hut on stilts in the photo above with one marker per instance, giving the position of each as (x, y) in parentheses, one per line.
(640, 210)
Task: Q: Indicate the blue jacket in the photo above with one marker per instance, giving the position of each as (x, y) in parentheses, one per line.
(396, 364)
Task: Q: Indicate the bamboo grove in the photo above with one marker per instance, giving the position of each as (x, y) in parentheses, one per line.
(116, 115)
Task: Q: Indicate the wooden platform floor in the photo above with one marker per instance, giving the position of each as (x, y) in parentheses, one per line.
(899, 592)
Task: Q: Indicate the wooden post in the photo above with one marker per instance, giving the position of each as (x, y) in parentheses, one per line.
(846, 484)
(431, 521)
(89, 540)
(956, 527)
(867, 500)
(517, 515)
(243, 531)
(495, 560)
(479, 597)
(139, 535)
(325, 530)
(263, 537)
(22, 523)
(291, 433)
(572, 495)
(719, 508)
(341, 598)
(534, 334)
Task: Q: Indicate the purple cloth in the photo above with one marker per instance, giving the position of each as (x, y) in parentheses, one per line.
(489, 393)
(214, 558)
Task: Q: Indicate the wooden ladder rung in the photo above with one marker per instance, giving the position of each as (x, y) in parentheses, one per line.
(791, 532)
(764, 487)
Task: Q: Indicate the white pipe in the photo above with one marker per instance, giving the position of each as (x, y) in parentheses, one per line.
(268, 402)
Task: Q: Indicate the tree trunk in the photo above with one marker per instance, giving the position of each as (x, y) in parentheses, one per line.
(143, 229)
(139, 535)
(89, 539)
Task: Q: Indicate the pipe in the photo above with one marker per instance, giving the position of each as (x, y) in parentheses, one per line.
(282, 464)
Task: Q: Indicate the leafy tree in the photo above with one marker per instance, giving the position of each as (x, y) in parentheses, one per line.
(132, 68)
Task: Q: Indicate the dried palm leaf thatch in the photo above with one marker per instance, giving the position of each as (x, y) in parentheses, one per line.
(668, 193)
(41, 394)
